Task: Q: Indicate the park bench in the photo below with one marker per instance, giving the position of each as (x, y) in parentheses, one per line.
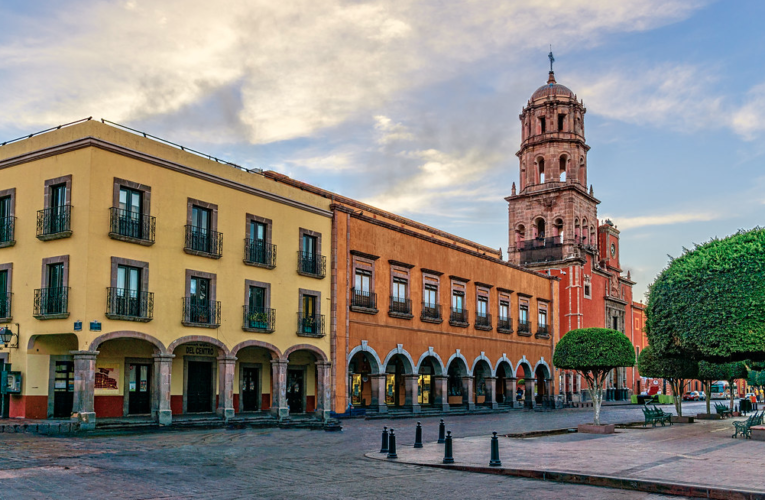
(652, 416)
(745, 428)
(723, 410)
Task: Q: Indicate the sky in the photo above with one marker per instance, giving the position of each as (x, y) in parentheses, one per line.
(412, 106)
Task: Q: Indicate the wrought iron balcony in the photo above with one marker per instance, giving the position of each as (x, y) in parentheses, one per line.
(310, 326)
(54, 223)
(202, 241)
(505, 325)
(542, 331)
(541, 250)
(459, 317)
(524, 328)
(483, 322)
(131, 226)
(400, 308)
(203, 313)
(259, 319)
(259, 253)
(7, 231)
(363, 301)
(51, 303)
(5, 306)
(312, 264)
(431, 313)
(130, 305)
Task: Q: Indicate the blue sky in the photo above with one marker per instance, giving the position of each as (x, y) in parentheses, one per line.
(413, 106)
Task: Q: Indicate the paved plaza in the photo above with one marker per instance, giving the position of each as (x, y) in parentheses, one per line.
(270, 463)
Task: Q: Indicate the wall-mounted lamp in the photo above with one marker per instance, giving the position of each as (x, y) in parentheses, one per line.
(7, 335)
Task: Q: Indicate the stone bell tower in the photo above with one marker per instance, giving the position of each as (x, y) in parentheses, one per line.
(553, 216)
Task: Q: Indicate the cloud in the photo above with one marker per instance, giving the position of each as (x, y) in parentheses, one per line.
(748, 119)
(663, 220)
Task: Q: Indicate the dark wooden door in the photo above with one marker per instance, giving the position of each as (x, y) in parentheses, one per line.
(249, 393)
(295, 390)
(63, 389)
(139, 389)
(199, 387)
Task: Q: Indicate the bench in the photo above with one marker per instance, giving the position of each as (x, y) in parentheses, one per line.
(723, 410)
(652, 416)
(745, 428)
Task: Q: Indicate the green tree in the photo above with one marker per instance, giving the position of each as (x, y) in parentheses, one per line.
(734, 371)
(709, 303)
(676, 371)
(594, 352)
(710, 373)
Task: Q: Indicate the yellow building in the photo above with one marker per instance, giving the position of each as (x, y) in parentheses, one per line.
(124, 298)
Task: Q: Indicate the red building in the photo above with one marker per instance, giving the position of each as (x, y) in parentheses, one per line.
(554, 228)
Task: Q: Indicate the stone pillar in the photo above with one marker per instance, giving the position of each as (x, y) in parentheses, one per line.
(510, 388)
(160, 397)
(412, 389)
(468, 394)
(279, 407)
(378, 393)
(441, 397)
(324, 390)
(491, 392)
(226, 365)
(84, 388)
(530, 398)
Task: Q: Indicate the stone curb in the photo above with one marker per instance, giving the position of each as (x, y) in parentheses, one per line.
(643, 485)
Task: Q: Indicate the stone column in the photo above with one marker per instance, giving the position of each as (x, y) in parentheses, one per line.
(84, 388)
(226, 365)
(412, 389)
(441, 396)
(160, 398)
(279, 406)
(491, 392)
(530, 398)
(510, 388)
(468, 393)
(378, 393)
(324, 390)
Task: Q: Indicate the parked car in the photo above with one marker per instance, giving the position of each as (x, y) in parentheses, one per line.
(693, 396)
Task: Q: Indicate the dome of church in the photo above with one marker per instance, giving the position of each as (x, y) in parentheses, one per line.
(551, 89)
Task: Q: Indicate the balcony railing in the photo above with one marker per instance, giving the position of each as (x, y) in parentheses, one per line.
(400, 307)
(543, 331)
(259, 253)
(51, 303)
(259, 319)
(312, 264)
(459, 317)
(431, 313)
(310, 326)
(198, 312)
(361, 299)
(131, 305)
(540, 243)
(127, 225)
(483, 321)
(541, 250)
(505, 325)
(53, 223)
(201, 241)
(5, 306)
(7, 228)
(524, 328)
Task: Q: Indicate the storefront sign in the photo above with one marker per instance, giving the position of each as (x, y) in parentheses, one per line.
(200, 349)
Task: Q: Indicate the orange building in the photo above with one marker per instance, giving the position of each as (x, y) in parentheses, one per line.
(425, 319)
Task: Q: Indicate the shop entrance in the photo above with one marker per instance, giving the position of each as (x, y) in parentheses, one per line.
(295, 390)
(63, 389)
(199, 389)
(139, 389)
(249, 392)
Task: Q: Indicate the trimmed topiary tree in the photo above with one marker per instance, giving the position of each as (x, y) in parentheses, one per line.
(709, 303)
(676, 371)
(708, 374)
(594, 352)
(734, 371)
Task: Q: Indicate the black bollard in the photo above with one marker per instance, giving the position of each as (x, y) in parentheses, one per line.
(441, 432)
(418, 436)
(494, 461)
(392, 445)
(448, 458)
(384, 447)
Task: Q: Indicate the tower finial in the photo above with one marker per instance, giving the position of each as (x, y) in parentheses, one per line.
(552, 59)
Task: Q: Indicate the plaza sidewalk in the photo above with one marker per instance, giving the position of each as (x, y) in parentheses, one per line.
(669, 459)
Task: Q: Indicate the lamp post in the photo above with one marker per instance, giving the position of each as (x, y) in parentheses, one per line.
(7, 335)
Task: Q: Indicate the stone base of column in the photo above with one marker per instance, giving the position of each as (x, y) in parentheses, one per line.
(322, 415)
(164, 417)
(87, 420)
(416, 409)
(382, 408)
(225, 413)
(471, 406)
(444, 406)
(495, 406)
(281, 412)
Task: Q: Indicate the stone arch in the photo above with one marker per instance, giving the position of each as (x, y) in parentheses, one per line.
(524, 363)
(305, 347)
(539, 227)
(274, 351)
(127, 334)
(198, 338)
(543, 363)
(458, 355)
(399, 350)
(506, 361)
(364, 347)
(430, 353)
(481, 357)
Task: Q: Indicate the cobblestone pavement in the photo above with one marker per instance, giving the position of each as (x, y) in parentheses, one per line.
(253, 463)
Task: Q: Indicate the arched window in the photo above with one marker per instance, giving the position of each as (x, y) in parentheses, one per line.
(558, 230)
(562, 168)
(539, 228)
(541, 168)
(520, 236)
(577, 230)
(585, 231)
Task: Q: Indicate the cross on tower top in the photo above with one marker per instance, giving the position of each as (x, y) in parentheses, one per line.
(552, 59)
